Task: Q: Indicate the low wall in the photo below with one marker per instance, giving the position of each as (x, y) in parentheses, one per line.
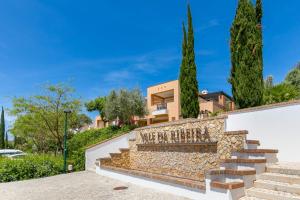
(276, 126)
(183, 148)
(104, 149)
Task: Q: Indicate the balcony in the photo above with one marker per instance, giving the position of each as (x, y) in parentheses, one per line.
(161, 109)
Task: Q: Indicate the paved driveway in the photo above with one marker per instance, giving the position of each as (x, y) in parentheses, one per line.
(78, 186)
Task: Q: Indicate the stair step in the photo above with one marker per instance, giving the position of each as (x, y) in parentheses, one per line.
(285, 178)
(278, 186)
(271, 194)
(105, 158)
(115, 154)
(284, 169)
(124, 149)
(253, 142)
(232, 172)
(194, 184)
(228, 185)
(245, 160)
(257, 151)
(250, 198)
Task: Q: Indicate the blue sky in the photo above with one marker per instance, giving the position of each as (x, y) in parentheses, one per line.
(102, 45)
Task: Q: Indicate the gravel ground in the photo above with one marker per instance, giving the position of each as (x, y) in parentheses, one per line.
(78, 186)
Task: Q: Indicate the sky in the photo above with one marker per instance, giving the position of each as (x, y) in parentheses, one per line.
(96, 46)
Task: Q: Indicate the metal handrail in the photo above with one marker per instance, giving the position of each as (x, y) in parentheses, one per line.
(161, 106)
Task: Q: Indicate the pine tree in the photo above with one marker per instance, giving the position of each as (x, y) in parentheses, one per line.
(188, 74)
(246, 72)
(2, 130)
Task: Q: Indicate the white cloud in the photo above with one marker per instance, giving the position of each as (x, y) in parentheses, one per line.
(210, 24)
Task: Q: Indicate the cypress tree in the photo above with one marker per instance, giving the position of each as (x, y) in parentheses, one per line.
(259, 14)
(188, 74)
(2, 130)
(246, 71)
(183, 74)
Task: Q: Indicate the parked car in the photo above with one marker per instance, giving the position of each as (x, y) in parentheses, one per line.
(12, 153)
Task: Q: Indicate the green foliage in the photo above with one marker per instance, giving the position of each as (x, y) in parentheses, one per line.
(188, 74)
(2, 130)
(80, 121)
(39, 126)
(246, 75)
(123, 105)
(97, 105)
(259, 11)
(77, 145)
(280, 93)
(31, 166)
(293, 77)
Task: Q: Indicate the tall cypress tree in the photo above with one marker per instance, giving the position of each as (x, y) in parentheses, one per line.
(188, 74)
(2, 130)
(259, 14)
(183, 74)
(246, 71)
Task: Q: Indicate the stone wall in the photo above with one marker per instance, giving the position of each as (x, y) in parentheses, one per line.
(184, 148)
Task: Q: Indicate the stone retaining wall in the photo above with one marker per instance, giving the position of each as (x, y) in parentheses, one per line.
(184, 148)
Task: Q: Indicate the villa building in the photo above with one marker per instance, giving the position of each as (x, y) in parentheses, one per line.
(163, 104)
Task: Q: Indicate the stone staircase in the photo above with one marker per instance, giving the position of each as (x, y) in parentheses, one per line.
(238, 174)
(250, 174)
(119, 160)
(279, 182)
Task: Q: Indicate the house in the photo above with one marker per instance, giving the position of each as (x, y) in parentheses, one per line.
(163, 104)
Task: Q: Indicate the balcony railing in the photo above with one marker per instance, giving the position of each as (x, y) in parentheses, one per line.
(161, 109)
(161, 106)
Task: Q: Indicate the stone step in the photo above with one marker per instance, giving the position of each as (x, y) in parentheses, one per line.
(257, 151)
(113, 155)
(278, 186)
(241, 160)
(250, 198)
(237, 164)
(285, 178)
(227, 185)
(232, 172)
(269, 154)
(252, 144)
(124, 149)
(271, 194)
(284, 169)
(193, 184)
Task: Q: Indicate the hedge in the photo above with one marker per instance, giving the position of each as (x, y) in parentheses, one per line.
(30, 166)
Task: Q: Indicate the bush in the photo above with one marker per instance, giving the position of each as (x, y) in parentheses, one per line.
(280, 93)
(77, 145)
(31, 166)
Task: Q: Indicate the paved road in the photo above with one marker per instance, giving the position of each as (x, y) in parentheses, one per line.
(78, 186)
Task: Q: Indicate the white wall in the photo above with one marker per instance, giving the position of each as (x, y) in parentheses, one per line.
(102, 150)
(276, 128)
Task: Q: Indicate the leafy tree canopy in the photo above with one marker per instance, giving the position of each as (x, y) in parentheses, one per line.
(293, 77)
(97, 105)
(124, 105)
(40, 118)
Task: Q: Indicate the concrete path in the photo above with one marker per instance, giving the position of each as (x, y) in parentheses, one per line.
(78, 186)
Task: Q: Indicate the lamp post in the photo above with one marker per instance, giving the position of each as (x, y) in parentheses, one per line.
(67, 111)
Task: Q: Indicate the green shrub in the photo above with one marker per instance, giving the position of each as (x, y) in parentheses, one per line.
(78, 143)
(31, 166)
